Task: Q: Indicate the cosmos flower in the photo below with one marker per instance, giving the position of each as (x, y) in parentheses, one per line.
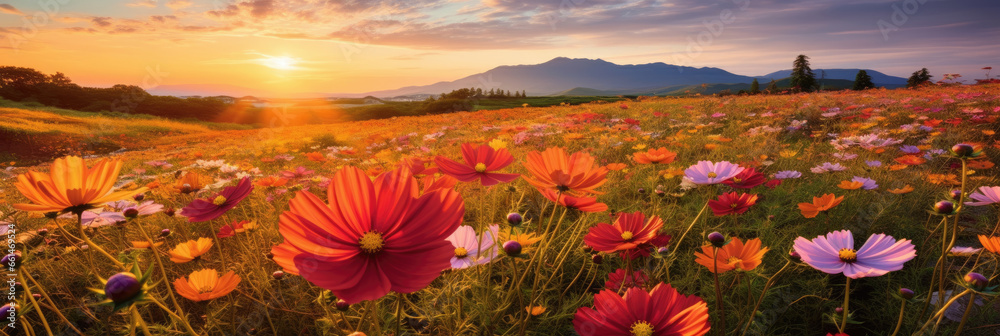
(621, 280)
(472, 249)
(316, 156)
(905, 189)
(866, 183)
(143, 209)
(735, 255)
(660, 312)
(845, 156)
(819, 204)
(575, 175)
(910, 149)
(963, 251)
(746, 179)
(299, 172)
(189, 183)
(432, 183)
(787, 174)
(873, 163)
(834, 253)
(628, 232)
(190, 250)
(271, 181)
(71, 187)
(206, 284)
(481, 163)
(585, 204)
(991, 244)
(661, 155)
(369, 238)
(911, 160)
(827, 167)
(201, 210)
(230, 230)
(985, 196)
(418, 167)
(732, 203)
(707, 172)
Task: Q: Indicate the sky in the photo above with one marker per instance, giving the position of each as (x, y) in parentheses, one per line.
(353, 46)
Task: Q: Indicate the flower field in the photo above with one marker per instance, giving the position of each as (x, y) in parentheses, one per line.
(859, 213)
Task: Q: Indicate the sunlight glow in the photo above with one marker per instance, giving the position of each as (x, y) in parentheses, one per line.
(280, 62)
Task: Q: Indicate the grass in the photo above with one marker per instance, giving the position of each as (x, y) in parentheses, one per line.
(482, 300)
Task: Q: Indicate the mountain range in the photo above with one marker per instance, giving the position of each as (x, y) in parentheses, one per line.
(595, 77)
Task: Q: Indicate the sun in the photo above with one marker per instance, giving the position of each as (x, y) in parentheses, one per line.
(280, 62)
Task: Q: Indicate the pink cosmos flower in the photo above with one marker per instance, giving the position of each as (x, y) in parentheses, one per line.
(985, 196)
(707, 172)
(472, 249)
(834, 253)
(201, 210)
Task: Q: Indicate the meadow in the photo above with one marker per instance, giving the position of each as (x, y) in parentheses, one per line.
(647, 216)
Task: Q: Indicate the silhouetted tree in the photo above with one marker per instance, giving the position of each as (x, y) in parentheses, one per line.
(772, 87)
(754, 87)
(863, 81)
(803, 79)
(918, 78)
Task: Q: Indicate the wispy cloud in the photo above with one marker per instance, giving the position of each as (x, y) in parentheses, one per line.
(9, 9)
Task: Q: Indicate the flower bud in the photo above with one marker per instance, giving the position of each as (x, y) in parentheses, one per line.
(663, 250)
(277, 275)
(642, 190)
(42, 232)
(36, 296)
(838, 310)
(717, 239)
(342, 305)
(122, 287)
(51, 215)
(12, 260)
(963, 150)
(170, 211)
(906, 293)
(514, 219)
(84, 247)
(955, 194)
(944, 208)
(139, 197)
(587, 249)
(976, 281)
(164, 233)
(512, 248)
(597, 258)
(795, 256)
(131, 213)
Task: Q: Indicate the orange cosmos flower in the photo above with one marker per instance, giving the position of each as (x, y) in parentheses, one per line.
(71, 187)
(822, 203)
(189, 183)
(615, 166)
(850, 185)
(734, 255)
(980, 164)
(190, 250)
(575, 175)
(661, 155)
(144, 244)
(316, 156)
(911, 160)
(206, 284)
(905, 189)
(271, 181)
(991, 244)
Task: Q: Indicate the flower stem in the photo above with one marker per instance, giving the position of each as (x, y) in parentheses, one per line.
(718, 290)
(138, 320)
(899, 322)
(47, 298)
(965, 316)
(90, 244)
(399, 312)
(847, 298)
(678, 243)
(940, 312)
(767, 285)
(166, 281)
(38, 309)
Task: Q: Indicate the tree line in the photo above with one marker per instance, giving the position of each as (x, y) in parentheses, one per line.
(57, 90)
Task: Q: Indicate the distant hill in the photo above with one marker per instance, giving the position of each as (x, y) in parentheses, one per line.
(681, 90)
(880, 79)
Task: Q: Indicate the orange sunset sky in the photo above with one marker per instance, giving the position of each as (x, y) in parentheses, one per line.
(321, 46)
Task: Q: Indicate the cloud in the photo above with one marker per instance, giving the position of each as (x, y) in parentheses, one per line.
(142, 3)
(101, 21)
(179, 4)
(8, 9)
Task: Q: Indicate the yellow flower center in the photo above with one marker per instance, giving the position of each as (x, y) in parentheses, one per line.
(712, 175)
(733, 205)
(461, 252)
(220, 200)
(371, 242)
(642, 328)
(737, 180)
(481, 167)
(206, 288)
(734, 260)
(848, 255)
(627, 235)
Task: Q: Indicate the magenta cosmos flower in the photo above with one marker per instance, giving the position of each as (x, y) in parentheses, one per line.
(661, 312)
(472, 249)
(707, 172)
(834, 253)
(985, 196)
(201, 210)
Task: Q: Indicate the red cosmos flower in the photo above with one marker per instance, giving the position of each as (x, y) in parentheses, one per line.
(746, 179)
(911, 160)
(432, 183)
(480, 163)
(660, 312)
(620, 279)
(644, 249)
(201, 210)
(371, 238)
(628, 232)
(230, 230)
(773, 183)
(732, 203)
(418, 167)
(585, 204)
